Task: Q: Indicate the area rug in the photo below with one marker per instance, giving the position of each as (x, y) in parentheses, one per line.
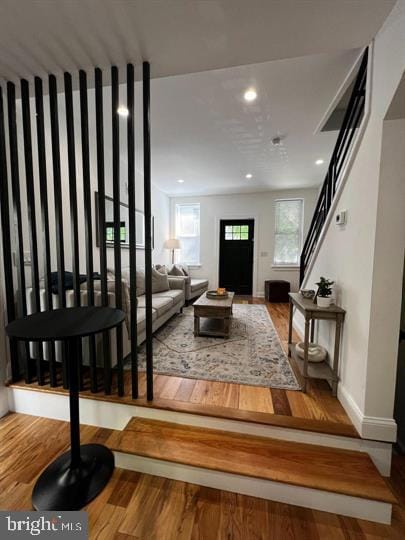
(252, 355)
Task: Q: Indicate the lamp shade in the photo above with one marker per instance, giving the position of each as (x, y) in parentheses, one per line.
(172, 243)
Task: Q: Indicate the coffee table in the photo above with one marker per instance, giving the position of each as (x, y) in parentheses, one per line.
(218, 314)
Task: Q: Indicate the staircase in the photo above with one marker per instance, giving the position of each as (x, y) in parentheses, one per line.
(351, 122)
(313, 476)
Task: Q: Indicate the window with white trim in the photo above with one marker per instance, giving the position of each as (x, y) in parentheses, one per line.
(188, 232)
(288, 232)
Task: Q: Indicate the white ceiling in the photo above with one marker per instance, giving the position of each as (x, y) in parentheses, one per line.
(177, 36)
(205, 133)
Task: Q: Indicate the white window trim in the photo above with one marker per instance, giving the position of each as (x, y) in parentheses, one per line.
(286, 266)
(177, 205)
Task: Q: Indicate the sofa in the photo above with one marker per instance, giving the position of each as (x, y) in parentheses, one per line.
(165, 304)
(193, 287)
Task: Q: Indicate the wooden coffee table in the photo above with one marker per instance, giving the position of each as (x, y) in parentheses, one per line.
(218, 314)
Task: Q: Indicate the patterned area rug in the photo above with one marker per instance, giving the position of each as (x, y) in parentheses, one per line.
(252, 354)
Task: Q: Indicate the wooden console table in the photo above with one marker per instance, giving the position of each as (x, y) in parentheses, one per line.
(311, 313)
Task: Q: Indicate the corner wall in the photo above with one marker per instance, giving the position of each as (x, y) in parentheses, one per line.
(360, 257)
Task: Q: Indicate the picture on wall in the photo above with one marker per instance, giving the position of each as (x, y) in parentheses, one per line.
(124, 225)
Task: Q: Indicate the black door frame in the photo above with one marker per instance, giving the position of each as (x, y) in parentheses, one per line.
(235, 218)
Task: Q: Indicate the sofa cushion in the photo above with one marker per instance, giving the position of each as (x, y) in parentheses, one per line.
(197, 284)
(141, 318)
(160, 305)
(176, 295)
(160, 281)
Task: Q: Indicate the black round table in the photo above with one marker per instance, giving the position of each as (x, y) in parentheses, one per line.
(76, 477)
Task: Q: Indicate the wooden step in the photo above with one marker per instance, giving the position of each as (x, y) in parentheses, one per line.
(344, 472)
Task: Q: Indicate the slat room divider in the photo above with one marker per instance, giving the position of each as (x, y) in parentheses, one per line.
(45, 225)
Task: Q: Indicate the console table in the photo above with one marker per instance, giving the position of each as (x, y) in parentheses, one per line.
(79, 475)
(311, 313)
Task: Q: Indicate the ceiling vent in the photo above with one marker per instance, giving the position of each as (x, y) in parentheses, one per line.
(276, 141)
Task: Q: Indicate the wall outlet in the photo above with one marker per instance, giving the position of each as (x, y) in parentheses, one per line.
(341, 218)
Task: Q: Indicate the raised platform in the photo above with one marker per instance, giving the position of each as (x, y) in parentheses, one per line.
(114, 413)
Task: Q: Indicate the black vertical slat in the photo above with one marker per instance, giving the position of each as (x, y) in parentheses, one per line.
(16, 196)
(84, 123)
(43, 186)
(70, 132)
(57, 188)
(6, 240)
(32, 221)
(117, 217)
(74, 224)
(132, 226)
(148, 228)
(101, 219)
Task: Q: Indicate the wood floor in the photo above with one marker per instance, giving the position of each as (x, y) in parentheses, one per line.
(307, 465)
(136, 506)
(225, 398)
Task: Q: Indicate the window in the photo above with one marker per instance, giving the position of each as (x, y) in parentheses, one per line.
(188, 232)
(288, 232)
(236, 232)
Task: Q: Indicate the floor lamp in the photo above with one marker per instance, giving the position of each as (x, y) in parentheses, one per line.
(172, 244)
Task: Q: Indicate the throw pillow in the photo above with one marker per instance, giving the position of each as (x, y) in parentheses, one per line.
(140, 281)
(176, 271)
(160, 282)
(161, 268)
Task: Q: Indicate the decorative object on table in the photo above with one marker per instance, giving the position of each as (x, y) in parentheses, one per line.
(316, 353)
(307, 293)
(172, 244)
(79, 475)
(324, 294)
(215, 295)
(312, 313)
(276, 290)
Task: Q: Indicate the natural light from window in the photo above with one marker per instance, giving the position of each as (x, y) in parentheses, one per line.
(288, 232)
(188, 232)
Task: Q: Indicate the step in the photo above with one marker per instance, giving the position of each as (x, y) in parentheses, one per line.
(342, 481)
(100, 410)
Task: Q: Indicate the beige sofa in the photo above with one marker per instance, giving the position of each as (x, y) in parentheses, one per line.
(165, 304)
(193, 287)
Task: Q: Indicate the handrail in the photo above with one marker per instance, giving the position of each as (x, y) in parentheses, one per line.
(351, 122)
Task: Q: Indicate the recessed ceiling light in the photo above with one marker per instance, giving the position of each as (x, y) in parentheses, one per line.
(180, 181)
(249, 175)
(319, 162)
(250, 95)
(123, 111)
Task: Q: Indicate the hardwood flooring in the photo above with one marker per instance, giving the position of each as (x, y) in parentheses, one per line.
(316, 406)
(137, 506)
(307, 465)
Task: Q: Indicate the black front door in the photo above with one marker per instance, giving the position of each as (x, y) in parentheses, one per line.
(236, 255)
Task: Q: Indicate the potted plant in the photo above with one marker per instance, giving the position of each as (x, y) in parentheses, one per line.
(324, 294)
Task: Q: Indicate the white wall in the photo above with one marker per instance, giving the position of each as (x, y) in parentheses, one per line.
(261, 207)
(361, 256)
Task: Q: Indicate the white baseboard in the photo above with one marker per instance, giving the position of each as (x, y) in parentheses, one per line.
(369, 427)
(265, 489)
(112, 415)
(260, 294)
